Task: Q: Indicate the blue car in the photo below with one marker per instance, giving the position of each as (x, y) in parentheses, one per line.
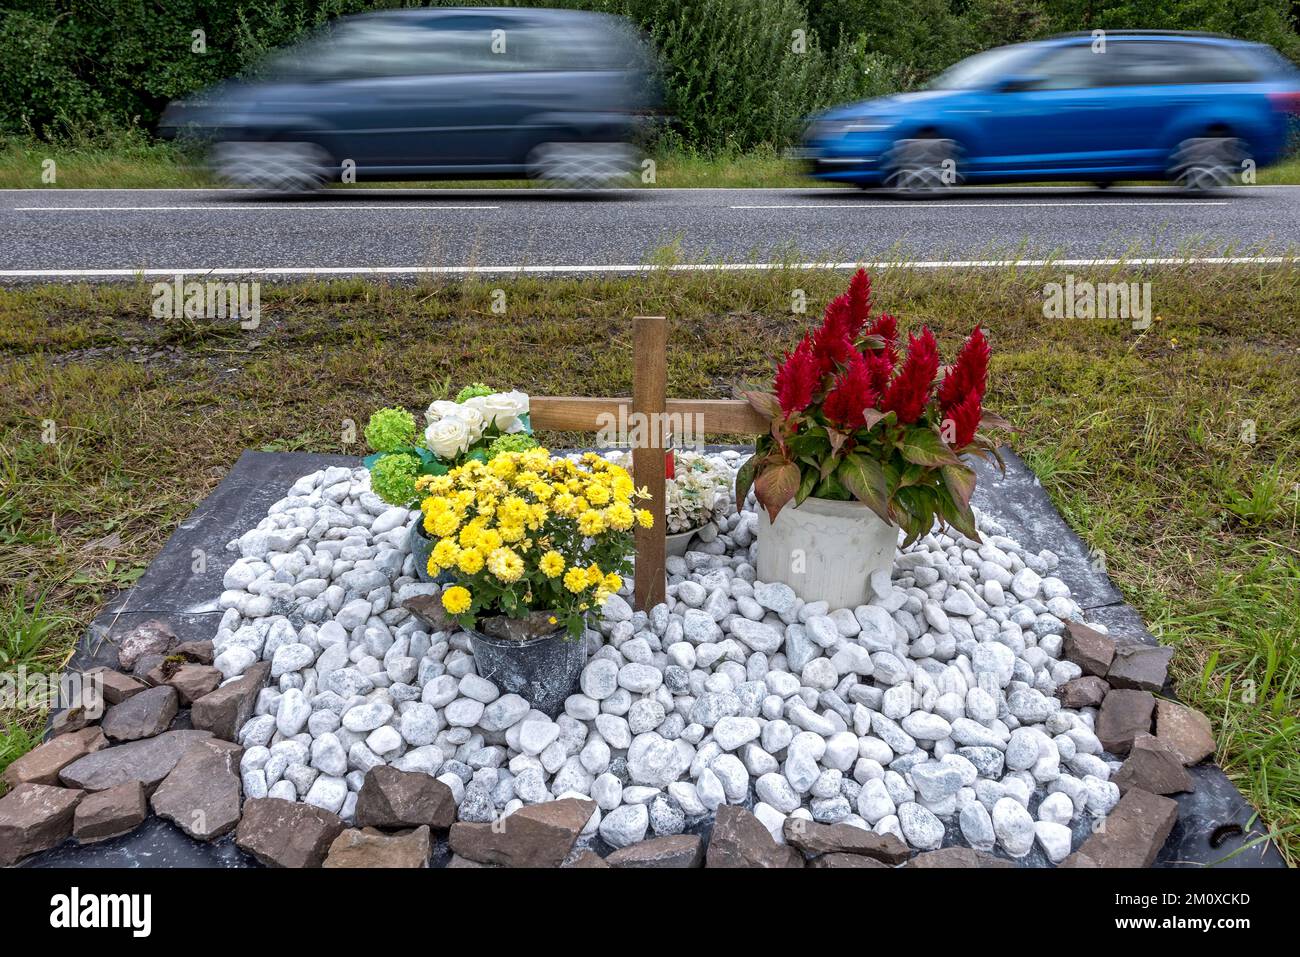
(1198, 109)
(559, 95)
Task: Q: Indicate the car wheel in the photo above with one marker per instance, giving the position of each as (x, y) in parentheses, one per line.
(1207, 163)
(581, 165)
(271, 166)
(920, 166)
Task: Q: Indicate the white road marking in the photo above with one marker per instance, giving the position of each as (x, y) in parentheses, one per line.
(634, 268)
(924, 204)
(273, 207)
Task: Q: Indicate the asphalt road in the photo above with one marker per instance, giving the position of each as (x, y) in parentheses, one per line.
(104, 234)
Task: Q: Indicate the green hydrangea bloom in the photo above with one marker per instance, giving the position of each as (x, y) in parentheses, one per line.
(393, 478)
(390, 429)
(515, 442)
(472, 391)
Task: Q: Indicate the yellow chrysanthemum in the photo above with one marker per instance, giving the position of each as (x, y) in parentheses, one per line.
(619, 516)
(613, 582)
(505, 565)
(591, 523)
(433, 568)
(644, 518)
(444, 524)
(594, 575)
(445, 552)
(456, 599)
(602, 596)
(470, 561)
(488, 540)
(575, 580)
(511, 532)
(597, 494)
(551, 564)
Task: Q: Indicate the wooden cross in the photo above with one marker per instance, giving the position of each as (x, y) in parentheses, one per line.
(649, 388)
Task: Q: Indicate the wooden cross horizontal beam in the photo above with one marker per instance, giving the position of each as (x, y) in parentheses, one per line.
(581, 414)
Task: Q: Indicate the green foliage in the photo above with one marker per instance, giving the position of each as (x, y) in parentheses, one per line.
(390, 429)
(393, 478)
(737, 73)
(515, 442)
(473, 391)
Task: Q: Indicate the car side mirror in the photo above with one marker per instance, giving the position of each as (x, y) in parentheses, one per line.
(1018, 82)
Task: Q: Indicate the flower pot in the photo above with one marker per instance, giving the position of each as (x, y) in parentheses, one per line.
(679, 542)
(825, 550)
(543, 669)
(420, 544)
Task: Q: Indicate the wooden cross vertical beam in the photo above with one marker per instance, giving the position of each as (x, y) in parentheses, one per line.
(649, 398)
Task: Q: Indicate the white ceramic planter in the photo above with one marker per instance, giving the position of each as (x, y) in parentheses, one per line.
(679, 542)
(825, 550)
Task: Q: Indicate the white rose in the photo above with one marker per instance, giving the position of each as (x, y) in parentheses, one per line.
(448, 437)
(472, 418)
(440, 409)
(503, 409)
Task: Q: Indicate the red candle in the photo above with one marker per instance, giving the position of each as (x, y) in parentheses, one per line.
(670, 465)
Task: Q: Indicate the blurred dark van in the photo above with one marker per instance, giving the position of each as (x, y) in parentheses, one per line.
(557, 95)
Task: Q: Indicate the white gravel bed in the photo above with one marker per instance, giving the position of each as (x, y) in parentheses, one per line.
(928, 713)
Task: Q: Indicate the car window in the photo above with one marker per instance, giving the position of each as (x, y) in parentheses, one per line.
(1070, 68)
(983, 69)
(1161, 63)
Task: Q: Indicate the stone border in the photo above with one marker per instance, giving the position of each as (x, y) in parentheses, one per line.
(172, 591)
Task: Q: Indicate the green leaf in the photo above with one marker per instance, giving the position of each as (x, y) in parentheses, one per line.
(960, 517)
(775, 485)
(923, 446)
(960, 481)
(744, 479)
(865, 479)
(764, 403)
(807, 484)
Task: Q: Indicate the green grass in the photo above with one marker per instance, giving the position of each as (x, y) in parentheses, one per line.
(137, 163)
(1174, 452)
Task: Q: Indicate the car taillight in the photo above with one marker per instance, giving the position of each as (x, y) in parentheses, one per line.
(1286, 102)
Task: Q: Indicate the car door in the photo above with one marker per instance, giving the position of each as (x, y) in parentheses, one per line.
(1053, 118)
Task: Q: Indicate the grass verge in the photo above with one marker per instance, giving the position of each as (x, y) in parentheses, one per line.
(140, 164)
(1175, 451)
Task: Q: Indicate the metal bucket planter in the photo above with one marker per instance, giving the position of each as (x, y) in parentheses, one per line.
(420, 544)
(543, 669)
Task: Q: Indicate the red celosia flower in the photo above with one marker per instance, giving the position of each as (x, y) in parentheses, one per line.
(965, 418)
(881, 366)
(910, 390)
(832, 341)
(859, 296)
(798, 378)
(851, 396)
(968, 374)
(887, 328)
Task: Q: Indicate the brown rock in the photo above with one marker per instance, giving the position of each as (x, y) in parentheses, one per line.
(740, 840)
(117, 686)
(1133, 832)
(957, 857)
(33, 818)
(142, 715)
(224, 711)
(85, 709)
(147, 761)
(1078, 859)
(672, 851)
(1124, 715)
(1085, 692)
(1142, 667)
(110, 813)
(372, 848)
(402, 799)
(584, 859)
(846, 860)
(201, 794)
(287, 833)
(199, 652)
(153, 637)
(1089, 649)
(462, 862)
(42, 765)
(147, 666)
(1185, 731)
(192, 682)
(1153, 766)
(818, 839)
(428, 608)
(537, 836)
